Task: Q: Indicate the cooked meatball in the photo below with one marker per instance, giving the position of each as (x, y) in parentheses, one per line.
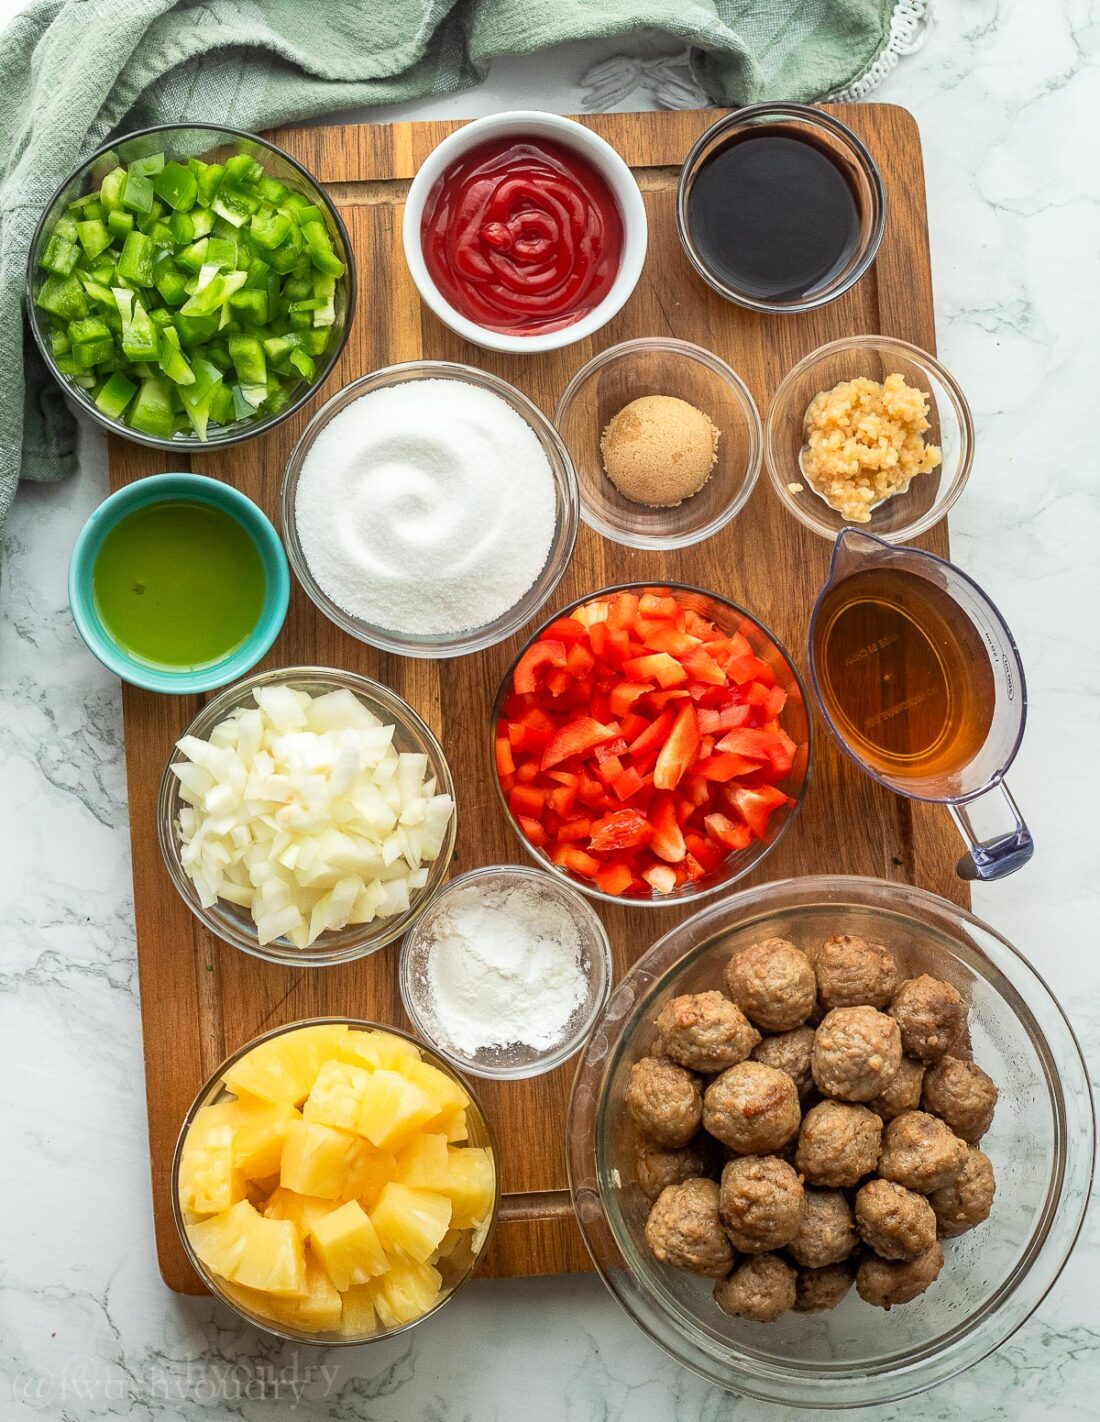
(967, 1200)
(838, 1144)
(760, 1202)
(773, 984)
(901, 1092)
(961, 1094)
(665, 1100)
(752, 1108)
(789, 1052)
(931, 1015)
(897, 1223)
(817, 1290)
(760, 1288)
(857, 1051)
(886, 1282)
(705, 1031)
(853, 973)
(684, 1229)
(827, 1233)
(658, 1167)
(920, 1152)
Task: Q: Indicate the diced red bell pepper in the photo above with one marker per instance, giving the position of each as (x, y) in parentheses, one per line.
(533, 831)
(622, 611)
(749, 741)
(527, 800)
(609, 769)
(579, 660)
(668, 638)
(565, 629)
(725, 766)
(627, 783)
(658, 667)
(614, 879)
(777, 699)
(538, 656)
(503, 753)
(724, 832)
(756, 804)
(705, 851)
(668, 838)
(624, 694)
(562, 799)
(575, 738)
(624, 829)
(633, 725)
(660, 878)
(700, 666)
(579, 828)
(653, 737)
(678, 751)
(750, 668)
(658, 605)
(580, 862)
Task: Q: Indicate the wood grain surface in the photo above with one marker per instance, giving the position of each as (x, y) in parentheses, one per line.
(200, 998)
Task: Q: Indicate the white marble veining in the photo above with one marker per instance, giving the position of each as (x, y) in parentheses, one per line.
(1008, 115)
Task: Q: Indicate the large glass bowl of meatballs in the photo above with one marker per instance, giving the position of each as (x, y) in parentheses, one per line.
(831, 1141)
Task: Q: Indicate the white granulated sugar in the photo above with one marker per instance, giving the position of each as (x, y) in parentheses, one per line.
(504, 967)
(426, 508)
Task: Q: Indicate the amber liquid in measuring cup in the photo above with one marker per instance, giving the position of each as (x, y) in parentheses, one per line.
(903, 673)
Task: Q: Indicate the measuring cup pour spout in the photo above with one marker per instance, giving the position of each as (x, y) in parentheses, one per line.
(853, 550)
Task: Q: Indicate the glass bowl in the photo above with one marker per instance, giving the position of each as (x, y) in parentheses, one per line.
(660, 366)
(474, 639)
(795, 719)
(456, 1267)
(233, 924)
(1040, 1143)
(193, 140)
(929, 496)
(824, 131)
(512, 1060)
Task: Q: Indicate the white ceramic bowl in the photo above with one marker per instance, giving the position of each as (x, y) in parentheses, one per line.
(521, 123)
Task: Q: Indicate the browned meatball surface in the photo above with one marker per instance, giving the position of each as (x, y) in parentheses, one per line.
(827, 1233)
(705, 1031)
(967, 1200)
(931, 1015)
(886, 1282)
(665, 1100)
(838, 1144)
(895, 1222)
(773, 984)
(853, 973)
(761, 1288)
(817, 1290)
(789, 1052)
(857, 1051)
(920, 1152)
(961, 1094)
(902, 1091)
(684, 1229)
(658, 1166)
(752, 1108)
(760, 1202)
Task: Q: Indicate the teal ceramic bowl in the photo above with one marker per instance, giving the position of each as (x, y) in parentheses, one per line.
(194, 488)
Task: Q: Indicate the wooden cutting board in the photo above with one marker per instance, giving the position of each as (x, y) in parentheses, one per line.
(200, 998)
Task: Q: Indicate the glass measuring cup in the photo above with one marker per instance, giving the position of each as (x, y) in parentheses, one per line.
(919, 681)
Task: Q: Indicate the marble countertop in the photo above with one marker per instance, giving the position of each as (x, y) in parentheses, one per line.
(87, 1330)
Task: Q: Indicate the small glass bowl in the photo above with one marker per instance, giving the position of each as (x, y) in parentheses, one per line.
(660, 366)
(474, 639)
(801, 121)
(233, 924)
(455, 1268)
(515, 1059)
(929, 496)
(180, 142)
(797, 722)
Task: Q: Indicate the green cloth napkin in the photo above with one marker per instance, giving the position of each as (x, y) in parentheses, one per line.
(75, 72)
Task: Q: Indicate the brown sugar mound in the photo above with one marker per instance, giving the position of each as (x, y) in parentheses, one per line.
(659, 450)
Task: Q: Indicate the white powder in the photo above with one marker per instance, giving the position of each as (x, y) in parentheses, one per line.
(426, 507)
(503, 967)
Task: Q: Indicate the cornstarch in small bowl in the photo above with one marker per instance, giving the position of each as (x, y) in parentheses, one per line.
(426, 508)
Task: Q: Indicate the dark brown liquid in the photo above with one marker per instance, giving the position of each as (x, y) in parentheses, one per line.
(903, 673)
(773, 214)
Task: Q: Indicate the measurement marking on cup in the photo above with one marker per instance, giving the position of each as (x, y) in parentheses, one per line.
(891, 711)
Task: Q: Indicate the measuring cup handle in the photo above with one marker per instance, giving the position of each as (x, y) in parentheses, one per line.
(995, 851)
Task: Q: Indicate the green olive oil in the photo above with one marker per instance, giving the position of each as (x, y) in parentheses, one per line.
(178, 585)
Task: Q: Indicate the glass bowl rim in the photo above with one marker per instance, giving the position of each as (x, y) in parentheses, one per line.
(811, 115)
(279, 1331)
(189, 444)
(406, 717)
(919, 357)
(566, 511)
(678, 897)
(790, 895)
(602, 960)
(742, 396)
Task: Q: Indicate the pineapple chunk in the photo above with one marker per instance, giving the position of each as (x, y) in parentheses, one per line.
(332, 1164)
(284, 1068)
(337, 1095)
(470, 1186)
(259, 1129)
(445, 1093)
(406, 1292)
(319, 1310)
(359, 1317)
(410, 1223)
(424, 1163)
(209, 1182)
(303, 1211)
(346, 1243)
(454, 1126)
(242, 1246)
(392, 1108)
(378, 1049)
